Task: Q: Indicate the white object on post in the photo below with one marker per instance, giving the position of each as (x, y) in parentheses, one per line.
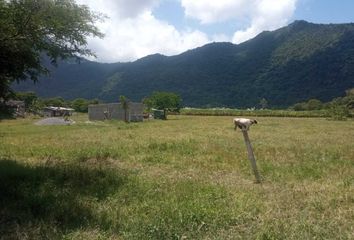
(244, 124)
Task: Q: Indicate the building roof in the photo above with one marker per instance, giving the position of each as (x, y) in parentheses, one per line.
(58, 108)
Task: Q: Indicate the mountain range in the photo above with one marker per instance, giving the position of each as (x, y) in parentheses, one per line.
(289, 65)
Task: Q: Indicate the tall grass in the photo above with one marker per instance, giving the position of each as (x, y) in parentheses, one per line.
(184, 178)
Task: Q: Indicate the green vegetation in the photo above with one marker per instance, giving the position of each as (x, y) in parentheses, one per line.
(253, 112)
(312, 104)
(290, 65)
(125, 104)
(30, 99)
(338, 109)
(31, 31)
(166, 101)
(33, 103)
(81, 104)
(343, 107)
(184, 178)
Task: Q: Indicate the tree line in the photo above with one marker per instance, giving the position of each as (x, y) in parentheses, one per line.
(164, 101)
(34, 104)
(338, 108)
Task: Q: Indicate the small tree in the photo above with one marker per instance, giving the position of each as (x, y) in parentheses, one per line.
(264, 103)
(342, 107)
(55, 102)
(314, 104)
(125, 105)
(80, 105)
(299, 106)
(29, 98)
(148, 104)
(338, 112)
(165, 101)
(348, 100)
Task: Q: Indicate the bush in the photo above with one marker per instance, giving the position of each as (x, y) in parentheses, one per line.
(300, 106)
(314, 104)
(55, 102)
(338, 112)
(80, 105)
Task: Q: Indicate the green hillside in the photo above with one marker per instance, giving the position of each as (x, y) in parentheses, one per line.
(289, 65)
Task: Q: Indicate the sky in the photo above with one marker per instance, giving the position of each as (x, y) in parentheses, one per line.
(137, 28)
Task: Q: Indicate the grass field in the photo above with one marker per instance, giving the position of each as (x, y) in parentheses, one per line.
(185, 178)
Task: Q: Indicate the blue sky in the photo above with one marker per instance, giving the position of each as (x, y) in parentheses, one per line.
(316, 11)
(325, 11)
(173, 12)
(136, 28)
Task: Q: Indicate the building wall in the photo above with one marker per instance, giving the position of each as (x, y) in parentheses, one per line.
(102, 112)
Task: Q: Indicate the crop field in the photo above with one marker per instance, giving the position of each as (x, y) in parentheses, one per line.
(184, 178)
(255, 113)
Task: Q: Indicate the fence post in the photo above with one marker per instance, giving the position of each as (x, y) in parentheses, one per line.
(251, 156)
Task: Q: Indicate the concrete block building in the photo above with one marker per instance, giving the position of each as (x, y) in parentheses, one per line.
(107, 111)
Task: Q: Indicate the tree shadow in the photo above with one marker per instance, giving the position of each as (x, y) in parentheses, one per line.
(40, 200)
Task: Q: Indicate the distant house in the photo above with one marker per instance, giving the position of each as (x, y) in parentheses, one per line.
(100, 112)
(57, 111)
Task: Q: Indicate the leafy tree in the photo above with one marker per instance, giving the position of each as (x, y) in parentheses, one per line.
(314, 104)
(337, 111)
(94, 101)
(342, 107)
(148, 104)
(165, 101)
(125, 105)
(348, 100)
(29, 98)
(300, 106)
(80, 105)
(55, 102)
(33, 29)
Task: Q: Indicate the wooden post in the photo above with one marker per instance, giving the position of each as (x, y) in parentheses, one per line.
(251, 156)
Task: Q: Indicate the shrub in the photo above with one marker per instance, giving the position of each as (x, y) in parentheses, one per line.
(338, 112)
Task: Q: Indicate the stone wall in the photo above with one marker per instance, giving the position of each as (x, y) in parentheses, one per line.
(115, 111)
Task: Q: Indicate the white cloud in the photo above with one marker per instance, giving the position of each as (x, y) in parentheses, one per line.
(261, 14)
(120, 8)
(132, 32)
(268, 15)
(211, 11)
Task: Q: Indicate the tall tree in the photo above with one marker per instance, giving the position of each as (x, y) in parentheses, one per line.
(34, 30)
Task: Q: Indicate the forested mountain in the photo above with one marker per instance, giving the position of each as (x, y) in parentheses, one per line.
(285, 66)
